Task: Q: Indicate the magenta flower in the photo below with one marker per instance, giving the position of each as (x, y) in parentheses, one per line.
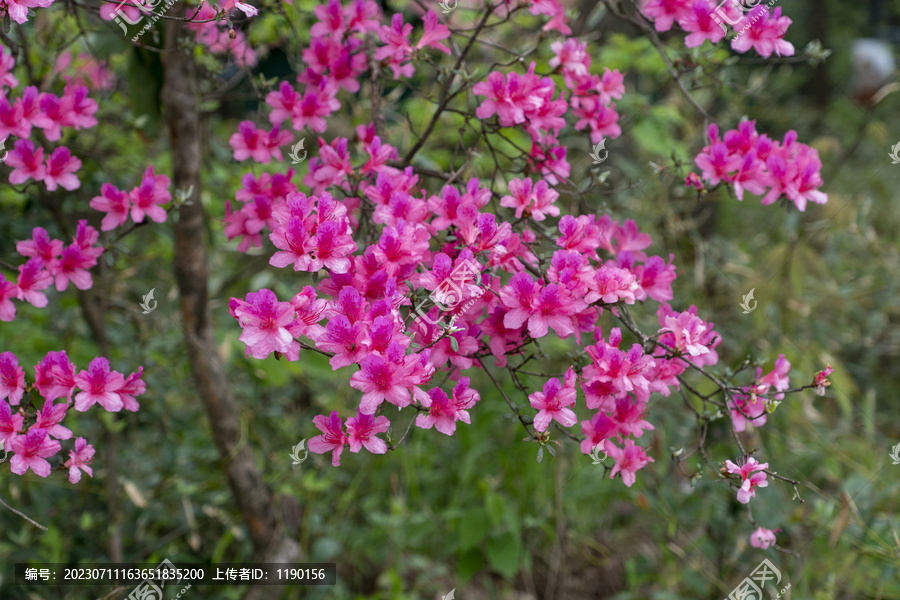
(688, 331)
(99, 385)
(332, 439)
(61, 167)
(82, 107)
(10, 425)
(80, 458)
(611, 285)
(348, 341)
(777, 378)
(361, 431)
(434, 32)
(442, 413)
(379, 380)
(31, 451)
(250, 11)
(764, 32)
(12, 120)
(147, 197)
(700, 24)
(32, 279)
(596, 431)
(751, 477)
(8, 291)
(134, 386)
(114, 203)
(40, 245)
(27, 162)
(7, 63)
(266, 324)
(12, 378)
(665, 12)
(73, 266)
(54, 376)
(48, 419)
(762, 538)
(821, 379)
(553, 405)
(629, 460)
(331, 20)
(752, 406)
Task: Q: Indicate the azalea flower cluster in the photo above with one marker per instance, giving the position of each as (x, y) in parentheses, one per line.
(18, 9)
(49, 113)
(50, 262)
(34, 435)
(422, 285)
(749, 407)
(705, 20)
(146, 199)
(361, 315)
(218, 37)
(528, 100)
(750, 161)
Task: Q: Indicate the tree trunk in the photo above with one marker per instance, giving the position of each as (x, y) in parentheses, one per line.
(254, 499)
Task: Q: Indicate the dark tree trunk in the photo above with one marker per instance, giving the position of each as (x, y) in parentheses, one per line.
(254, 499)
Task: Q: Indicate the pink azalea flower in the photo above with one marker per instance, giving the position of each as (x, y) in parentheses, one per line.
(361, 431)
(7, 63)
(99, 385)
(54, 376)
(764, 32)
(777, 378)
(664, 13)
(148, 196)
(61, 167)
(31, 451)
(348, 341)
(250, 11)
(18, 9)
(821, 380)
(250, 142)
(40, 245)
(32, 279)
(444, 412)
(12, 119)
(332, 439)
(12, 378)
(688, 331)
(27, 163)
(82, 107)
(752, 406)
(133, 386)
(73, 265)
(79, 460)
(701, 25)
(10, 425)
(751, 477)
(596, 431)
(379, 380)
(316, 105)
(434, 32)
(48, 419)
(114, 203)
(553, 405)
(629, 460)
(266, 324)
(762, 538)
(8, 291)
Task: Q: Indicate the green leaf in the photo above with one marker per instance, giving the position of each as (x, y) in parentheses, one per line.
(504, 553)
(473, 528)
(469, 563)
(494, 504)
